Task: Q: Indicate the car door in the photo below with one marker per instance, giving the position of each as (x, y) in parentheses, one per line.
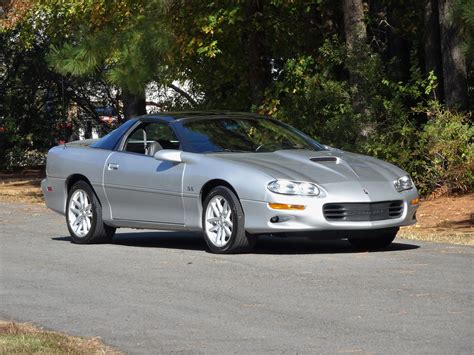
(141, 188)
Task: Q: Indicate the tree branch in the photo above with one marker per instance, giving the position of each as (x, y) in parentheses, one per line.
(183, 93)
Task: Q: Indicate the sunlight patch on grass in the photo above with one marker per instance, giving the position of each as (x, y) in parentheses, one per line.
(25, 338)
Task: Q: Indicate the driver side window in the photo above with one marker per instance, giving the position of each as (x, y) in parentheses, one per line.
(149, 138)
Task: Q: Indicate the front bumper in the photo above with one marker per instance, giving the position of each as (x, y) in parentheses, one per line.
(259, 217)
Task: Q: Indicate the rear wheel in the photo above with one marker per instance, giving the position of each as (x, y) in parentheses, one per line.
(381, 241)
(223, 223)
(84, 216)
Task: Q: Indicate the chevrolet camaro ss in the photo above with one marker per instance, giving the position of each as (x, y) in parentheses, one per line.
(231, 176)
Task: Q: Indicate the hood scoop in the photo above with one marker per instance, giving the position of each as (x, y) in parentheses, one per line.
(325, 159)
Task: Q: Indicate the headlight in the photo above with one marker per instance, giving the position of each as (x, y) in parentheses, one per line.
(403, 183)
(289, 187)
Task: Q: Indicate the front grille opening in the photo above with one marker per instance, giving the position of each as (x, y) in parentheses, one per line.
(395, 209)
(368, 211)
(335, 211)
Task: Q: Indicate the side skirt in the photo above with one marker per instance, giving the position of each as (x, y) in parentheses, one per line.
(125, 223)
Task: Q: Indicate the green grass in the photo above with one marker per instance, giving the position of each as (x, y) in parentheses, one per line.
(27, 339)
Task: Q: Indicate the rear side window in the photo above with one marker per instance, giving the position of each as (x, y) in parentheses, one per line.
(111, 140)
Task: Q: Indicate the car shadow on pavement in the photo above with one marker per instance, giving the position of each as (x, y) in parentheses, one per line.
(265, 244)
(301, 245)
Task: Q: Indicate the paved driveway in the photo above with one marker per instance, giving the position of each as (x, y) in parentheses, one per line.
(161, 292)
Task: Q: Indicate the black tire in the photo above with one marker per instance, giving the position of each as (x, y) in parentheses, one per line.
(239, 241)
(378, 242)
(99, 232)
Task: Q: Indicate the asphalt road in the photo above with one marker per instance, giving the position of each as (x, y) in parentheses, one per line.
(153, 292)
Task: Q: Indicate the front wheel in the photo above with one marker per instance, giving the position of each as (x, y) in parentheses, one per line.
(381, 241)
(223, 223)
(84, 216)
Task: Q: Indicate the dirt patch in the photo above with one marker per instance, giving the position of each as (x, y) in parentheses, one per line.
(27, 339)
(22, 187)
(445, 219)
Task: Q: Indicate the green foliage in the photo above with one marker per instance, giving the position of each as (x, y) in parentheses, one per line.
(287, 59)
(124, 41)
(18, 158)
(439, 154)
(30, 106)
(392, 123)
(446, 151)
(307, 96)
(464, 13)
(35, 101)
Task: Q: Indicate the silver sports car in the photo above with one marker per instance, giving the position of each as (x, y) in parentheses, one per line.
(232, 176)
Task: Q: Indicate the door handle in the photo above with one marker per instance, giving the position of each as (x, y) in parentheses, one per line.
(112, 166)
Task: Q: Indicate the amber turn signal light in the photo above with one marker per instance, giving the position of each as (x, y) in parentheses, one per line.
(284, 206)
(415, 201)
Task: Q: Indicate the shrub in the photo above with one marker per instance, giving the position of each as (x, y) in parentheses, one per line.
(439, 155)
(377, 114)
(446, 152)
(17, 158)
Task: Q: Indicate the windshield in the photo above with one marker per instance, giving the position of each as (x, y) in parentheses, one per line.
(242, 135)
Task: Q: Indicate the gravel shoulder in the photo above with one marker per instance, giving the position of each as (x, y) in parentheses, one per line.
(152, 292)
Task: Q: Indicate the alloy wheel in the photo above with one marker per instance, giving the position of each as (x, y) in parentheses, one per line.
(80, 213)
(219, 221)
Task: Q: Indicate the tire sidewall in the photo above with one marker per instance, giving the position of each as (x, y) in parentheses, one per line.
(81, 185)
(237, 218)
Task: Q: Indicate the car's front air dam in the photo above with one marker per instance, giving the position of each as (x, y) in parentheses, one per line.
(260, 218)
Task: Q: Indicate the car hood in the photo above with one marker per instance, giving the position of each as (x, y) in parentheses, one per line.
(322, 167)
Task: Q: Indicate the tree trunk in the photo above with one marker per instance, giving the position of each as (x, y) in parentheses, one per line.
(355, 31)
(133, 104)
(398, 46)
(258, 63)
(354, 26)
(433, 56)
(454, 65)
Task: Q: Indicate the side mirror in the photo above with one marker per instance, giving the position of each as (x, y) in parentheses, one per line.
(169, 155)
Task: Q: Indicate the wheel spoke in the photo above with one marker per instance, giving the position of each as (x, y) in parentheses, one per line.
(218, 233)
(79, 198)
(214, 228)
(76, 221)
(74, 210)
(227, 230)
(88, 223)
(219, 206)
(215, 209)
(84, 226)
(78, 225)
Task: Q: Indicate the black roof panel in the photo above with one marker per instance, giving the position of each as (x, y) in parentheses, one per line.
(172, 116)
